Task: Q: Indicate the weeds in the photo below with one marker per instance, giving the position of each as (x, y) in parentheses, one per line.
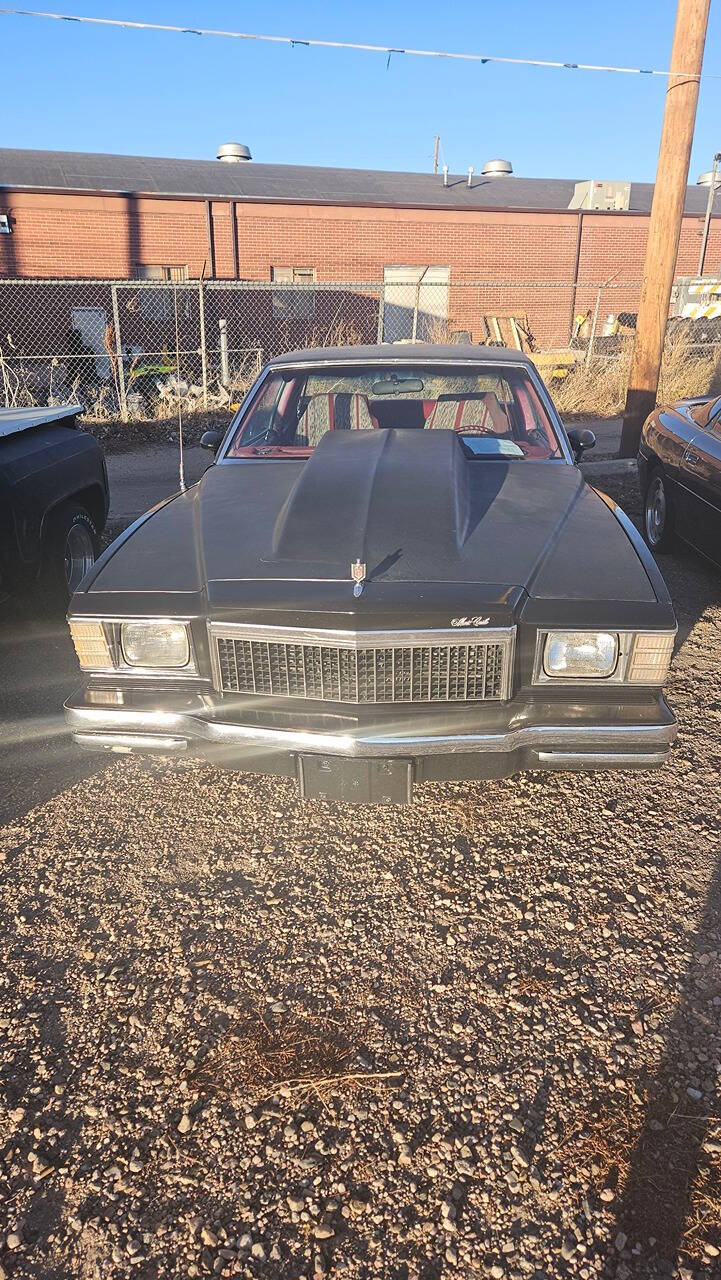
(339, 333)
(598, 388)
(297, 1055)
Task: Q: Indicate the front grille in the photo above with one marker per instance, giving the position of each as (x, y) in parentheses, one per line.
(472, 671)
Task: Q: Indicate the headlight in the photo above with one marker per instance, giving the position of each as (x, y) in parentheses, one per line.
(155, 644)
(580, 655)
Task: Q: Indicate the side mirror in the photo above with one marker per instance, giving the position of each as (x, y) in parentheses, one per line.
(211, 440)
(581, 440)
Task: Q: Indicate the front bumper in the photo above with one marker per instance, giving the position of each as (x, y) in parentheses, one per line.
(454, 744)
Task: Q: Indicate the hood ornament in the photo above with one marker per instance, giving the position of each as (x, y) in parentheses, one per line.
(358, 575)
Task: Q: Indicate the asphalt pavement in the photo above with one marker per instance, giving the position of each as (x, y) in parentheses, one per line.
(142, 477)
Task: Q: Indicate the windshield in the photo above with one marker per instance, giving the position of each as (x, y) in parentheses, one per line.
(496, 412)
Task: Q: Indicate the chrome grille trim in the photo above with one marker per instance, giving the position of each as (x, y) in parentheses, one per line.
(462, 664)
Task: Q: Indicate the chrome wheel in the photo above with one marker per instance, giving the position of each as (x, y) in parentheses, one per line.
(79, 555)
(655, 514)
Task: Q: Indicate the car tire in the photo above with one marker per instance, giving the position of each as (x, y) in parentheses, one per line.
(71, 548)
(658, 513)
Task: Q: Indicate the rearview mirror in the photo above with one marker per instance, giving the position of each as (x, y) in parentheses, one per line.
(394, 385)
(211, 440)
(581, 439)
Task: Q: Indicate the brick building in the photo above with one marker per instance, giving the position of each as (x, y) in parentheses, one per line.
(71, 215)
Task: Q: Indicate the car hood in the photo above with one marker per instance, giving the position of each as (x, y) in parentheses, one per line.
(408, 505)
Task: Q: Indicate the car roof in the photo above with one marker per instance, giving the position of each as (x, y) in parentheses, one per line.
(403, 353)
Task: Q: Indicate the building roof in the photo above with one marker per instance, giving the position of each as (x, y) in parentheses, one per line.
(22, 170)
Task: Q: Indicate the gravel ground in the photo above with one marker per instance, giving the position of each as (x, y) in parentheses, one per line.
(480, 1036)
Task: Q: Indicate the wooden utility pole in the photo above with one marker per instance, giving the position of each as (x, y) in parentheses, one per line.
(664, 229)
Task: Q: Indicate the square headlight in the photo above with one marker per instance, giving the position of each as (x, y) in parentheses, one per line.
(580, 655)
(155, 644)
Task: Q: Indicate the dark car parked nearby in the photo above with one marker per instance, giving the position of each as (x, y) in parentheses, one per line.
(679, 467)
(394, 572)
(53, 499)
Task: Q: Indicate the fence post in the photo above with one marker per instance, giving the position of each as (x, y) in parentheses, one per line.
(594, 326)
(119, 355)
(224, 366)
(203, 353)
(416, 305)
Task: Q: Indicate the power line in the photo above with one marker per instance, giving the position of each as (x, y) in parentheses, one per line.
(388, 50)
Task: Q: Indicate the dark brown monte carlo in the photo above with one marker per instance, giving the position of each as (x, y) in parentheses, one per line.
(394, 572)
(679, 469)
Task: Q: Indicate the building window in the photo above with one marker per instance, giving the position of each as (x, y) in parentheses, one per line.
(297, 302)
(415, 304)
(168, 275)
(159, 304)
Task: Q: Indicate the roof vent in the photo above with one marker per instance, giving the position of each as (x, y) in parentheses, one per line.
(497, 169)
(234, 152)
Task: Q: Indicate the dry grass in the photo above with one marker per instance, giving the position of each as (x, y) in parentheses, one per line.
(339, 333)
(598, 389)
(296, 1055)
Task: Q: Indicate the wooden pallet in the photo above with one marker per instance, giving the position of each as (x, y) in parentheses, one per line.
(508, 331)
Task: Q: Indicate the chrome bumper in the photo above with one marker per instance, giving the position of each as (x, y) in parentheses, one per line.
(560, 745)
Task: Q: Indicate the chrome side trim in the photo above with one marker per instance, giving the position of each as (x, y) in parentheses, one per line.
(131, 742)
(102, 720)
(601, 759)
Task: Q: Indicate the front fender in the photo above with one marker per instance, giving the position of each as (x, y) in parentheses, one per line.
(653, 572)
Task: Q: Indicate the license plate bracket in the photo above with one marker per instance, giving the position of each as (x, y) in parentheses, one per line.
(346, 781)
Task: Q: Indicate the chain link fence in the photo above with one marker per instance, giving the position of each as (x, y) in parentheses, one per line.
(133, 349)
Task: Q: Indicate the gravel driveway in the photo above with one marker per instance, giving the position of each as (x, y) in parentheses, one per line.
(480, 1036)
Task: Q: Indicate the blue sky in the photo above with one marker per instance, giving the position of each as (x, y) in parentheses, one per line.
(69, 87)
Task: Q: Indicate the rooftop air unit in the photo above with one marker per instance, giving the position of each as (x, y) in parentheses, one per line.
(601, 195)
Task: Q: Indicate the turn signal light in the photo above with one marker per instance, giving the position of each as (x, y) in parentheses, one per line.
(651, 658)
(91, 645)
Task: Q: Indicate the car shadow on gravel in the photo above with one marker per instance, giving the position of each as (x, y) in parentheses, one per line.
(671, 1170)
(45, 1153)
(672, 1181)
(38, 669)
(669, 1179)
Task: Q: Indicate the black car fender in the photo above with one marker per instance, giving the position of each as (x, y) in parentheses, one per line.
(653, 572)
(122, 538)
(647, 462)
(92, 497)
